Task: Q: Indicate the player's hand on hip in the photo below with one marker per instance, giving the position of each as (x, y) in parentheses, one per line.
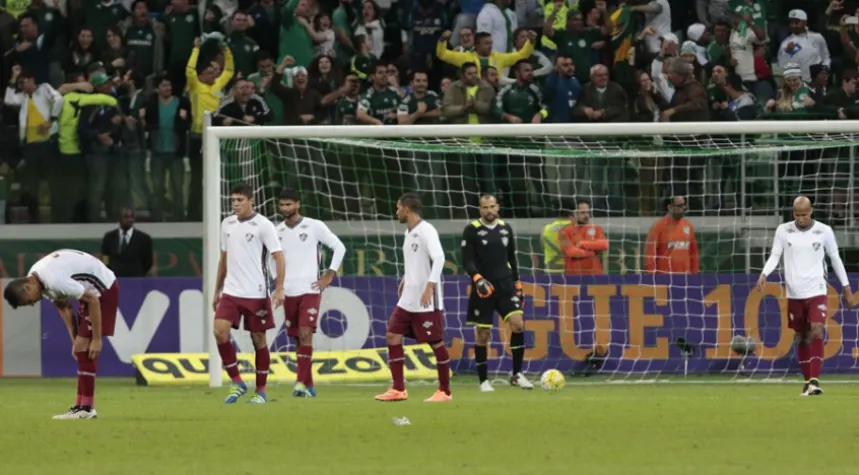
(484, 287)
(426, 298)
(94, 349)
(277, 298)
(215, 301)
(324, 281)
(80, 344)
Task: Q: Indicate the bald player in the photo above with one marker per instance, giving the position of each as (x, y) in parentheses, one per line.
(805, 243)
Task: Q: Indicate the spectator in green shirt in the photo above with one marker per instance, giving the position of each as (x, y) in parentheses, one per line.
(346, 110)
(295, 41)
(422, 106)
(244, 47)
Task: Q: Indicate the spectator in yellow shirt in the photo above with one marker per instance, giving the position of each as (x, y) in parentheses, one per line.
(205, 91)
(483, 56)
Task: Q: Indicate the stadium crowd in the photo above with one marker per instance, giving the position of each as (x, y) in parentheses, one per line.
(108, 96)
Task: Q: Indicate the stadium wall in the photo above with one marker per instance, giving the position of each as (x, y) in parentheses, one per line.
(639, 319)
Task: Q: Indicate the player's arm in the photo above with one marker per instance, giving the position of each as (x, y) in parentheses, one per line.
(572, 251)
(598, 244)
(436, 255)
(221, 275)
(67, 315)
(830, 245)
(651, 247)
(272, 243)
(331, 241)
(775, 257)
(228, 72)
(74, 290)
(694, 255)
(483, 287)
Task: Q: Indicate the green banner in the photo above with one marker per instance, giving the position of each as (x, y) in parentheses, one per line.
(378, 255)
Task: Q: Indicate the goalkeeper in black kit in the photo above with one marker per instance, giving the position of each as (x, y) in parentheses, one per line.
(489, 257)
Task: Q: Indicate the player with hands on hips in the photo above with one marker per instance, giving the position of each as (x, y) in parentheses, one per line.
(300, 237)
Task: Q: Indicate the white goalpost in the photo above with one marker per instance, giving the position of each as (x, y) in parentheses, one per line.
(737, 177)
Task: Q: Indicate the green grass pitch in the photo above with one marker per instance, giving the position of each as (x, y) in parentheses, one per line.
(664, 429)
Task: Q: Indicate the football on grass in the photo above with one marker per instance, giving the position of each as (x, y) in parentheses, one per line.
(743, 345)
(552, 380)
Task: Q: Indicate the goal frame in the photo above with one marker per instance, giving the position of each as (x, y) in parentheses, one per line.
(212, 167)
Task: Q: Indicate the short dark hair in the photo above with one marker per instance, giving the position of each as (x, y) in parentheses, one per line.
(520, 63)
(14, 291)
(28, 16)
(263, 55)
(412, 201)
(481, 35)
(466, 66)
(238, 12)
(380, 65)
(582, 201)
(242, 189)
(161, 78)
(487, 195)
(290, 194)
(416, 72)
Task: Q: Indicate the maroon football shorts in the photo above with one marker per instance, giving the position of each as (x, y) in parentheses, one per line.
(801, 313)
(301, 311)
(256, 313)
(424, 327)
(109, 304)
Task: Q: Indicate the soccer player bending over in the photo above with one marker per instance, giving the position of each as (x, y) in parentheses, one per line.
(804, 243)
(489, 257)
(242, 288)
(418, 314)
(300, 238)
(63, 276)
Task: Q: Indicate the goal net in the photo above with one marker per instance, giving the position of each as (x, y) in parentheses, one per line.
(738, 181)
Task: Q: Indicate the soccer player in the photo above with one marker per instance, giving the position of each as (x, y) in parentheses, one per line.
(419, 312)
(671, 247)
(300, 238)
(242, 288)
(582, 242)
(63, 276)
(489, 257)
(805, 243)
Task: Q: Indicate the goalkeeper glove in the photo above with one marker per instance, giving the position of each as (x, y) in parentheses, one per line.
(484, 287)
(520, 294)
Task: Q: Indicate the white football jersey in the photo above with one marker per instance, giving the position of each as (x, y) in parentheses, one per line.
(423, 258)
(248, 244)
(300, 245)
(804, 254)
(66, 274)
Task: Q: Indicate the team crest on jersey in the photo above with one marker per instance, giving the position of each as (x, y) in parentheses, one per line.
(505, 240)
(427, 324)
(503, 232)
(816, 246)
(249, 237)
(686, 229)
(302, 236)
(415, 247)
(482, 232)
(592, 232)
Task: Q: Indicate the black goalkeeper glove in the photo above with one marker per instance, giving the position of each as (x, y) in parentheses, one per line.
(484, 287)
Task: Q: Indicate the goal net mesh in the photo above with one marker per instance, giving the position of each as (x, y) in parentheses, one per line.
(627, 323)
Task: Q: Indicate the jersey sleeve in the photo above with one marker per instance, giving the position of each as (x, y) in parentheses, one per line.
(511, 255)
(830, 245)
(469, 258)
(433, 247)
(269, 238)
(775, 253)
(331, 241)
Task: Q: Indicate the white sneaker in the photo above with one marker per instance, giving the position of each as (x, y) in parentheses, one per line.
(520, 380)
(76, 413)
(486, 387)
